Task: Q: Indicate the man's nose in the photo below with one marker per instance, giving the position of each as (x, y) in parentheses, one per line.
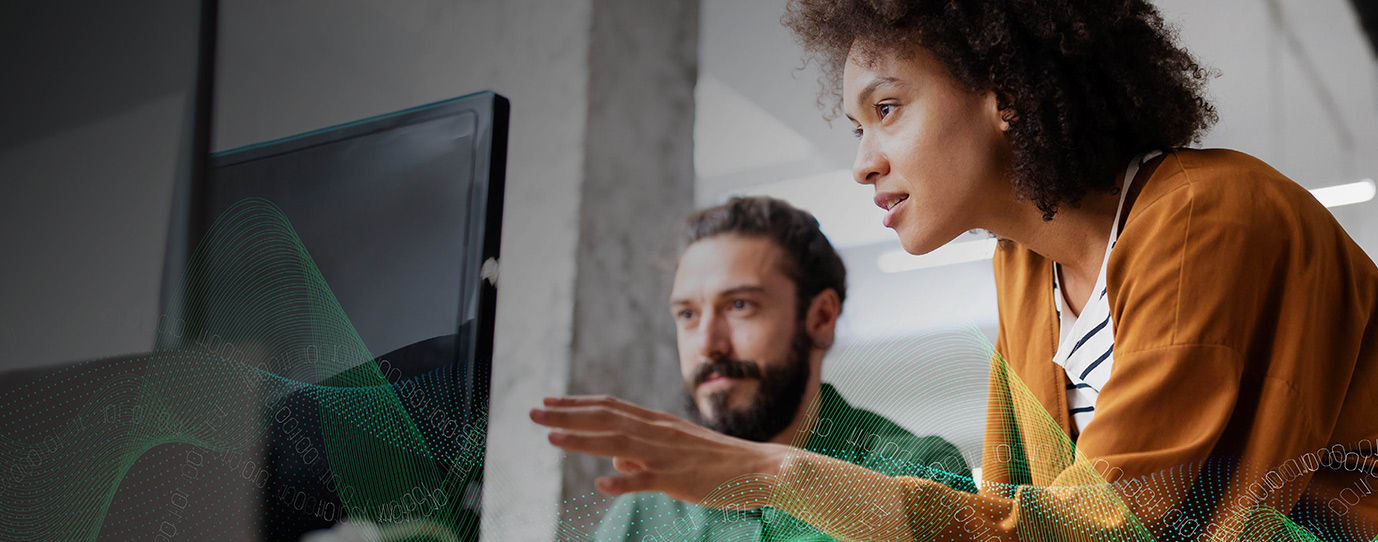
(716, 339)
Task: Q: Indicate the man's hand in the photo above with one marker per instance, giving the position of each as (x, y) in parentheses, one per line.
(656, 451)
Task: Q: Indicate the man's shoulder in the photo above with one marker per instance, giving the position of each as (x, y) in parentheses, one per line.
(634, 515)
(877, 442)
(649, 503)
(849, 417)
(885, 433)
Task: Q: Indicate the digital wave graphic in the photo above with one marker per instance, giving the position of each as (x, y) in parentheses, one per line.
(259, 355)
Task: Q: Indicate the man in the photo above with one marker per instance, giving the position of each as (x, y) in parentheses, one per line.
(755, 300)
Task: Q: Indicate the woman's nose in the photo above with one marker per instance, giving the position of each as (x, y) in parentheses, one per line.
(870, 165)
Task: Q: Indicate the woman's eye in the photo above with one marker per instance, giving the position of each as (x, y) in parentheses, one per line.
(684, 314)
(740, 304)
(856, 132)
(884, 109)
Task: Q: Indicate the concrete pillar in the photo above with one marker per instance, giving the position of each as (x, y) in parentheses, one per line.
(637, 188)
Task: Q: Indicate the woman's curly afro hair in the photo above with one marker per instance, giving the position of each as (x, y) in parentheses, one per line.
(1086, 84)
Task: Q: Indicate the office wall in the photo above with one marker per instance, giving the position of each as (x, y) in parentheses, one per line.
(98, 131)
(96, 111)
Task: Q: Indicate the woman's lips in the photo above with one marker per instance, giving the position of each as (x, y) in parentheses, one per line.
(890, 216)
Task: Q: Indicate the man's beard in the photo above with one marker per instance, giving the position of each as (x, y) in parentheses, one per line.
(777, 400)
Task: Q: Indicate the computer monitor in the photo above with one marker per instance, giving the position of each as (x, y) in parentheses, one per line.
(401, 215)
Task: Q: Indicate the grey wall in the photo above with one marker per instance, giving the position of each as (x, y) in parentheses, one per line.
(95, 113)
(97, 127)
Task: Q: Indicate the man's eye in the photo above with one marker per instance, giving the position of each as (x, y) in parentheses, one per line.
(884, 109)
(740, 304)
(684, 314)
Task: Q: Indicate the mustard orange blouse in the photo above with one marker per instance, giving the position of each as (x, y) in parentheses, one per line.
(1243, 402)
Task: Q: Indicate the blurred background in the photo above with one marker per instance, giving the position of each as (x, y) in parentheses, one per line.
(626, 115)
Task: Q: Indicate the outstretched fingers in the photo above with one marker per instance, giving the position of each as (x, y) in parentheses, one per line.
(610, 402)
(606, 414)
(606, 444)
(602, 418)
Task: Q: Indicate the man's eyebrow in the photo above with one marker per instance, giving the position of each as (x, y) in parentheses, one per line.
(743, 289)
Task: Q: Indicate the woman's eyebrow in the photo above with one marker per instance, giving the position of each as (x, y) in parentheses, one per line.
(870, 88)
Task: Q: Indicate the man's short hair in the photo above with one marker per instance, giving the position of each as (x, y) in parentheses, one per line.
(811, 262)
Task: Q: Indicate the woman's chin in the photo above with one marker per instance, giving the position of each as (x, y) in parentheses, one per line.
(920, 243)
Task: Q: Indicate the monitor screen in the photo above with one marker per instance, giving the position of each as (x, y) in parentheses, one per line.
(362, 256)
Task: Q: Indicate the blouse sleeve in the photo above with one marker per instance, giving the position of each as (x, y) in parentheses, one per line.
(1202, 352)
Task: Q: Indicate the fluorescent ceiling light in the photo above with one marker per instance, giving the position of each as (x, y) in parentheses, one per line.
(895, 261)
(845, 210)
(1345, 194)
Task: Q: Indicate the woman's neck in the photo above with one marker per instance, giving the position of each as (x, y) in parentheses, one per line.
(1075, 238)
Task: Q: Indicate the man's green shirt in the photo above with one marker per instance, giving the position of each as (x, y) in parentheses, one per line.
(851, 434)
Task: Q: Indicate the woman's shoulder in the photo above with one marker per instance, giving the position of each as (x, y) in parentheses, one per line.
(1215, 161)
(1225, 185)
(1195, 187)
(1228, 204)
(1214, 248)
(1232, 203)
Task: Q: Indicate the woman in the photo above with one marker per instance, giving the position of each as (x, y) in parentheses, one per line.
(1187, 342)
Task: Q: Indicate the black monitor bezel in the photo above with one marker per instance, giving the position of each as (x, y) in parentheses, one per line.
(484, 218)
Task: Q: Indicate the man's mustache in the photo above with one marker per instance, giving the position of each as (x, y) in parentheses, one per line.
(730, 368)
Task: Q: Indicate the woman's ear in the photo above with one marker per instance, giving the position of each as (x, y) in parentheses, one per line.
(1003, 118)
(1007, 118)
(821, 320)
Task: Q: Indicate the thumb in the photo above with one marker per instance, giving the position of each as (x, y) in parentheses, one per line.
(627, 465)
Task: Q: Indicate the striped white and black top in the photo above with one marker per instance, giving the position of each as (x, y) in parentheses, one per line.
(1087, 341)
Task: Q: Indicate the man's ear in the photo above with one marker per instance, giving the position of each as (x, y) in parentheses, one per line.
(821, 320)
